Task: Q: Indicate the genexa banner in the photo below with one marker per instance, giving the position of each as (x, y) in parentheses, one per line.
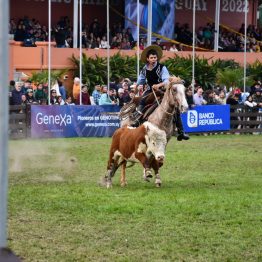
(207, 118)
(73, 121)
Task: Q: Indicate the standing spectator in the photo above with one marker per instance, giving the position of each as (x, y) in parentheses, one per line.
(257, 97)
(60, 37)
(189, 97)
(96, 94)
(40, 94)
(76, 88)
(120, 97)
(198, 97)
(210, 97)
(16, 94)
(222, 97)
(129, 35)
(11, 85)
(105, 99)
(232, 99)
(30, 96)
(27, 85)
(62, 89)
(53, 96)
(112, 95)
(85, 96)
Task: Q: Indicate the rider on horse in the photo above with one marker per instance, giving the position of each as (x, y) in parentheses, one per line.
(155, 75)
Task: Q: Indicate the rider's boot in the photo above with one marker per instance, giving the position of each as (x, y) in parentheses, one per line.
(180, 130)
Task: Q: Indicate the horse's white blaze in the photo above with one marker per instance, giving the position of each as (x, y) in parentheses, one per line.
(181, 97)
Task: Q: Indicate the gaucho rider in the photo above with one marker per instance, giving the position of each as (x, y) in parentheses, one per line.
(155, 75)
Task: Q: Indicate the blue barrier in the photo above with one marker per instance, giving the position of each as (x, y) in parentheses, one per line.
(102, 121)
(207, 118)
(73, 121)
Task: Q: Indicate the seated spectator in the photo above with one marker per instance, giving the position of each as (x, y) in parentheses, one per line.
(158, 42)
(173, 48)
(69, 100)
(60, 101)
(103, 43)
(29, 42)
(85, 96)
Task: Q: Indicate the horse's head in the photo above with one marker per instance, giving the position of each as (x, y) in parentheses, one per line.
(176, 84)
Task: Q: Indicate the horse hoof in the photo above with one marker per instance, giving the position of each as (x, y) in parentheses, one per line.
(158, 184)
(123, 184)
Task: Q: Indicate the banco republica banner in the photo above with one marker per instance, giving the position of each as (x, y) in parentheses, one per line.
(74, 121)
(207, 118)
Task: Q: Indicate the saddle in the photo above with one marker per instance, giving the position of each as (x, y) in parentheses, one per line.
(129, 109)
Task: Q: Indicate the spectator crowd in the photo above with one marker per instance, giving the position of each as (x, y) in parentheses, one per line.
(94, 36)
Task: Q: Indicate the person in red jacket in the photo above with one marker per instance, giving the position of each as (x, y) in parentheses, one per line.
(85, 96)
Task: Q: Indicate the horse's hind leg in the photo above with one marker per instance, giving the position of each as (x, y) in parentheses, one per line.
(123, 174)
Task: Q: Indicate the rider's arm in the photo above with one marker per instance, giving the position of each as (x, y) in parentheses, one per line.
(140, 81)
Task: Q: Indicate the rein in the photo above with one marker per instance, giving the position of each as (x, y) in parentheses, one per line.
(159, 104)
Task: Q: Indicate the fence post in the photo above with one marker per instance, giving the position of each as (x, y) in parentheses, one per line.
(5, 253)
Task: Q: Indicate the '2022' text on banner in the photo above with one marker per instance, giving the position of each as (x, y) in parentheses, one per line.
(74, 121)
(207, 118)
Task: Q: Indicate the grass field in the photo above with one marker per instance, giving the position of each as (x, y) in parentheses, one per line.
(209, 207)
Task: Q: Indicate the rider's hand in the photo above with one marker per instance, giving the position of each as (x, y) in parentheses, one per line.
(155, 87)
